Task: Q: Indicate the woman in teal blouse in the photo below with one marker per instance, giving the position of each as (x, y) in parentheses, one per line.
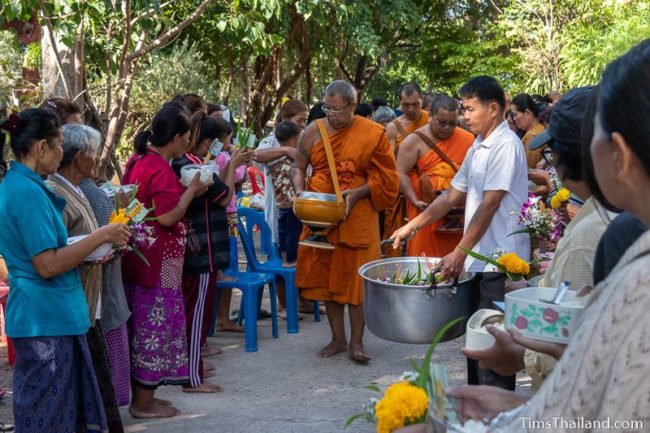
(47, 315)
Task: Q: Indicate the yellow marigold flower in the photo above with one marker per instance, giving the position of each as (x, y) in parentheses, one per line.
(514, 264)
(119, 217)
(563, 195)
(555, 202)
(402, 404)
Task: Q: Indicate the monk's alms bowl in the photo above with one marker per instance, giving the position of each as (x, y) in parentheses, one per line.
(319, 209)
(412, 314)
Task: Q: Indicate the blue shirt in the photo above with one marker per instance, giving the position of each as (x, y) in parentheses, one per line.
(32, 222)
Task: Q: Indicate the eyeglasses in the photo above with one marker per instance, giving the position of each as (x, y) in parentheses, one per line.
(331, 112)
(550, 157)
(445, 124)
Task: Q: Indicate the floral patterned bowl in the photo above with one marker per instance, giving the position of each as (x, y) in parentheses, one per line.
(540, 320)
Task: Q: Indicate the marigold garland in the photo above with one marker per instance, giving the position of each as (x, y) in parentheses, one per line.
(514, 264)
(402, 404)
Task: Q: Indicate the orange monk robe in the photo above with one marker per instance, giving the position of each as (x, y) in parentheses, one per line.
(428, 240)
(396, 214)
(363, 155)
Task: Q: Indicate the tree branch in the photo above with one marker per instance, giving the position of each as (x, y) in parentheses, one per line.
(127, 38)
(167, 36)
(57, 54)
(149, 13)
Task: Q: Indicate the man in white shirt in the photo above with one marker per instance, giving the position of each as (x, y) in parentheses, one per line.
(493, 182)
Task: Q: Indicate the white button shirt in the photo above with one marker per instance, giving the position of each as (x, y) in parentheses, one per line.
(497, 163)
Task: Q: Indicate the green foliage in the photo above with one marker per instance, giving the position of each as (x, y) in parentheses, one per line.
(16, 9)
(15, 92)
(591, 45)
(161, 76)
(32, 56)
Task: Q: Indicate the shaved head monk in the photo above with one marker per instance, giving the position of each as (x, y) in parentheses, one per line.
(368, 178)
(414, 117)
(427, 162)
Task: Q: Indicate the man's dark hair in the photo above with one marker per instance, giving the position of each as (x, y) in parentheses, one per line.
(316, 112)
(445, 102)
(363, 110)
(378, 102)
(285, 131)
(485, 89)
(409, 88)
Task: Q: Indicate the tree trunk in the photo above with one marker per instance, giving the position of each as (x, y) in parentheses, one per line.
(308, 82)
(244, 93)
(52, 80)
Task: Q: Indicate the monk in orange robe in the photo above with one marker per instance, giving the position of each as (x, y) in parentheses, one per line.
(414, 117)
(417, 158)
(369, 182)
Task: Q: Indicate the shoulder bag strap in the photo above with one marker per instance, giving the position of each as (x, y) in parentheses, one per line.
(330, 159)
(433, 146)
(400, 128)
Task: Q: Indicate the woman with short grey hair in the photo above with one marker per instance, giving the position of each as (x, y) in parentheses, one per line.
(383, 115)
(114, 308)
(80, 149)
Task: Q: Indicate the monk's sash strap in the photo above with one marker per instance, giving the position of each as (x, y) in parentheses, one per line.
(400, 128)
(436, 149)
(330, 159)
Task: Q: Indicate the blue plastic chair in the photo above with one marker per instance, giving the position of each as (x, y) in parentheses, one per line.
(247, 220)
(250, 283)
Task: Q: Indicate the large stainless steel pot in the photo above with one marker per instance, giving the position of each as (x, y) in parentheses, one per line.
(412, 314)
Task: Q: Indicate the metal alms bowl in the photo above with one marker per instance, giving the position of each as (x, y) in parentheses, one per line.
(412, 314)
(319, 209)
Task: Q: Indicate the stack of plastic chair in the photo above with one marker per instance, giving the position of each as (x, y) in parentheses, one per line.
(247, 220)
(251, 284)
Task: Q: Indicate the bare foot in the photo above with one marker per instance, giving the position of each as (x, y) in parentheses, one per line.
(288, 264)
(355, 352)
(223, 277)
(162, 402)
(208, 366)
(153, 410)
(229, 326)
(208, 374)
(205, 387)
(332, 349)
(210, 350)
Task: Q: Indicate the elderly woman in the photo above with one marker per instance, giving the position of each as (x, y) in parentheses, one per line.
(611, 342)
(80, 147)
(114, 309)
(383, 115)
(47, 312)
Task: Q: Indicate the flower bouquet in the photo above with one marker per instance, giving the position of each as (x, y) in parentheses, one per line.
(134, 216)
(510, 264)
(538, 220)
(406, 402)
